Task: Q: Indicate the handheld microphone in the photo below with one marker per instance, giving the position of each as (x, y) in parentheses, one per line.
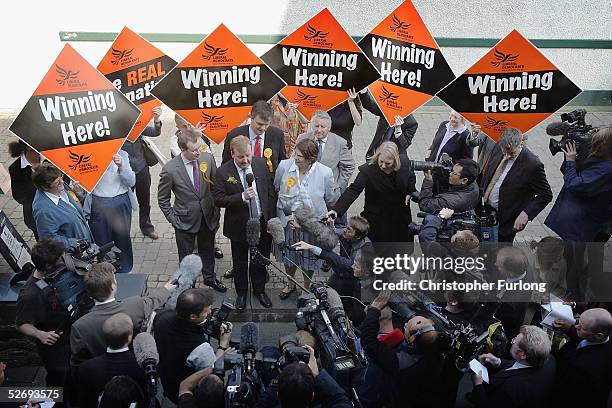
(249, 179)
(557, 128)
(189, 270)
(147, 357)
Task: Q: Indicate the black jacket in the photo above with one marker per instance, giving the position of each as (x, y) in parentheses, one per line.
(273, 139)
(413, 377)
(227, 192)
(95, 373)
(457, 198)
(457, 147)
(409, 127)
(23, 190)
(176, 338)
(525, 188)
(385, 201)
(519, 388)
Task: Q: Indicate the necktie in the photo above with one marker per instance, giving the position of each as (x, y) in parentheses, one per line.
(498, 172)
(196, 176)
(257, 152)
(321, 145)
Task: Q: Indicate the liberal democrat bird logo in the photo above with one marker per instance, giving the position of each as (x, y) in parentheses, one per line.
(77, 159)
(120, 54)
(314, 33)
(212, 51)
(65, 75)
(501, 58)
(387, 96)
(490, 122)
(208, 119)
(303, 96)
(398, 24)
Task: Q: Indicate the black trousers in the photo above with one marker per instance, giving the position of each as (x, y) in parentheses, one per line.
(143, 195)
(242, 266)
(185, 242)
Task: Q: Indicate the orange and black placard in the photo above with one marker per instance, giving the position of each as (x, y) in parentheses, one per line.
(76, 118)
(320, 62)
(134, 66)
(410, 63)
(217, 83)
(513, 85)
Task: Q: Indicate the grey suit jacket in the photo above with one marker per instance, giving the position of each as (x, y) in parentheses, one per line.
(336, 156)
(86, 338)
(190, 209)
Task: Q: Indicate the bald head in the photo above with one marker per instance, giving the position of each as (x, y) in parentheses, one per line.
(420, 330)
(594, 324)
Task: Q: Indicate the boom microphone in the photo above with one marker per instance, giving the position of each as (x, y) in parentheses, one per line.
(249, 343)
(145, 351)
(252, 232)
(275, 228)
(557, 128)
(324, 235)
(186, 275)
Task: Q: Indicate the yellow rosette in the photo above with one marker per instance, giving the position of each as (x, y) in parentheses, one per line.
(204, 169)
(290, 183)
(268, 154)
(204, 148)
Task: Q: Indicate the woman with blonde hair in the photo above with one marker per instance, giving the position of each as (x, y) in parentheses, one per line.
(388, 181)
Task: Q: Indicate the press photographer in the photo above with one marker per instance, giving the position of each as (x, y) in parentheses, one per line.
(583, 211)
(462, 194)
(178, 332)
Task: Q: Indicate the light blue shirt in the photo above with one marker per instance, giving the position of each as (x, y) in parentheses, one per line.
(262, 138)
(115, 182)
(586, 343)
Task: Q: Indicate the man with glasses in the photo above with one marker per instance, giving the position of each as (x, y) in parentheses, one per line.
(513, 184)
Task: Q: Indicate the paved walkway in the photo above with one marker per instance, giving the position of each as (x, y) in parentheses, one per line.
(159, 258)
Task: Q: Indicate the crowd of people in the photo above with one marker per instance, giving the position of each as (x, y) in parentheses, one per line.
(273, 167)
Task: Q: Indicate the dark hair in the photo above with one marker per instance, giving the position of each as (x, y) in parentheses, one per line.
(261, 109)
(16, 148)
(193, 301)
(360, 225)
(309, 150)
(120, 392)
(210, 393)
(295, 386)
(99, 281)
(469, 169)
(46, 252)
(44, 175)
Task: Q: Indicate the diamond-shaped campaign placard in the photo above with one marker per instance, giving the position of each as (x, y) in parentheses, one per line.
(513, 85)
(134, 66)
(320, 62)
(217, 83)
(76, 118)
(410, 63)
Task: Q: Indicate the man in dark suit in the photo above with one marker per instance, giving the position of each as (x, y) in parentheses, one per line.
(178, 332)
(193, 215)
(513, 183)
(86, 337)
(267, 141)
(22, 188)
(243, 201)
(585, 362)
(118, 360)
(401, 133)
(525, 382)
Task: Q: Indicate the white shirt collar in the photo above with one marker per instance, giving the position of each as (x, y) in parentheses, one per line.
(252, 135)
(53, 197)
(113, 351)
(24, 161)
(461, 129)
(185, 161)
(104, 302)
(518, 365)
(239, 169)
(324, 140)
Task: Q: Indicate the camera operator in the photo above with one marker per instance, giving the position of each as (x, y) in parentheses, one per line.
(526, 381)
(86, 338)
(414, 372)
(462, 195)
(118, 360)
(39, 316)
(201, 389)
(301, 386)
(583, 210)
(178, 332)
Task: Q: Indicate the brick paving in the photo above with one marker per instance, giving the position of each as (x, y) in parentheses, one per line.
(159, 259)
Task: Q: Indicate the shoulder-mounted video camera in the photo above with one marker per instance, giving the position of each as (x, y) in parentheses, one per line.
(572, 128)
